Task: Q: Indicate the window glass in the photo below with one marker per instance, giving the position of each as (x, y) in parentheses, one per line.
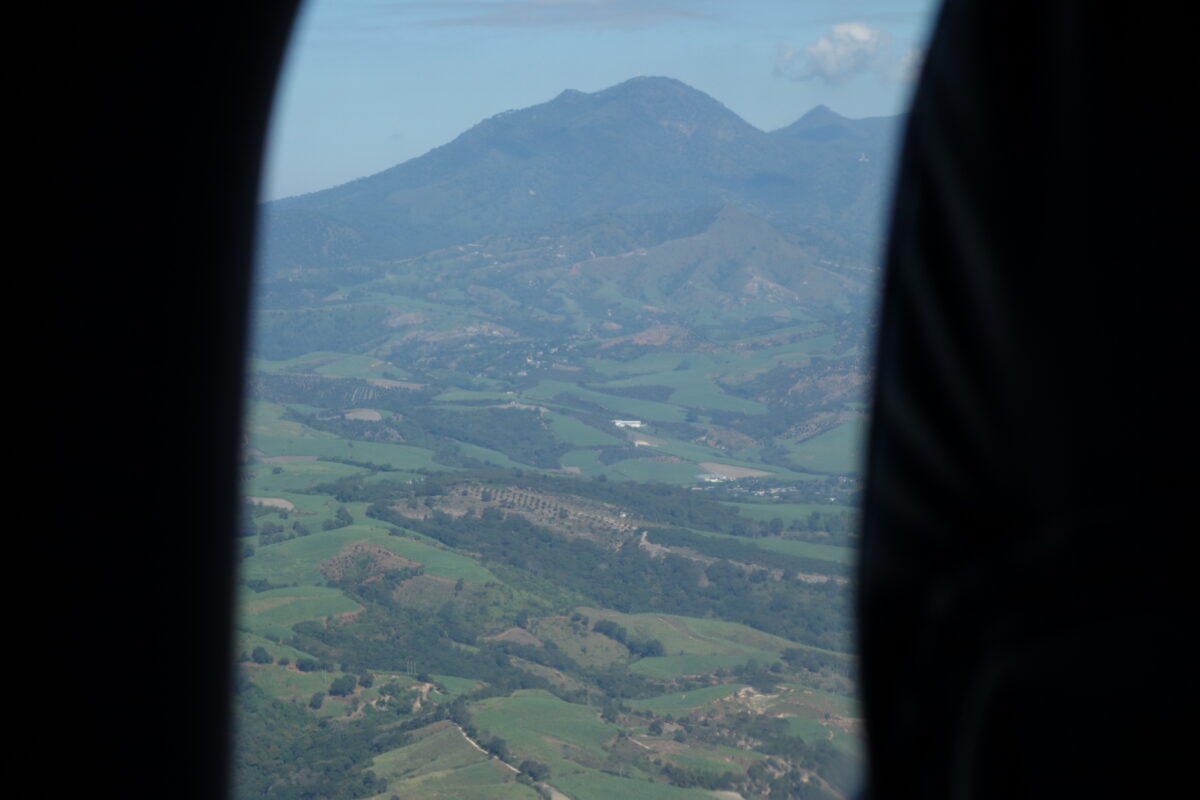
(559, 375)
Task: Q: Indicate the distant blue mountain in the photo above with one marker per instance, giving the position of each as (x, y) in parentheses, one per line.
(653, 154)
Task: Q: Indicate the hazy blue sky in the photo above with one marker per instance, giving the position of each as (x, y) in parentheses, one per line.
(371, 83)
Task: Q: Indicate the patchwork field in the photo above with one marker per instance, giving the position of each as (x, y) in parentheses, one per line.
(604, 718)
(836, 451)
(682, 702)
(443, 765)
(273, 612)
(595, 785)
(538, 725)
(298, 560)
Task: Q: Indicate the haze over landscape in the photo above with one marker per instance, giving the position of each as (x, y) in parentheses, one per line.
(551, 460)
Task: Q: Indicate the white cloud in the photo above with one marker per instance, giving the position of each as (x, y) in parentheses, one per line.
(848, 50)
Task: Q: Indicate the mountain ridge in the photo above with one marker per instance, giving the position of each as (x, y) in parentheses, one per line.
(648, 145)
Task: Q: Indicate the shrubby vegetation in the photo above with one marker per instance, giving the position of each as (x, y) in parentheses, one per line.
(283, 335)
(647, 648)
(631, 580)
(282, 752)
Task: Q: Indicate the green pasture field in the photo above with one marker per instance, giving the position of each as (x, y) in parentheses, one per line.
(711, 397)
(851, 745)
(645, 470)
(355, 366)
(823, 701)
(425, 592)
(807, 728)
(620, 407)
(713, 766)
(680, 472)
(668, 667)
(649, 364)
(795, 547)
(438, 561)
(273, 613)
(791, 547)
(263, 419)
(576, 433)
(310, 509)
(488, 455)
(588, 649)
(790, 354)
(486, 384)
(460, 406)
(679, 449)
(296, 560)
(694, 646)
(398, 456)
(309, 362)
(786, 511)
(753, 456)
(397, 476)
(596, 785)
(556, 677)
(445, 766)
(437, 749)
(681, 375)
(682, 702)
(305, 408)
(535, 723)
(839, 450)
(312, 505)
(699, 452)
(456, 685)
(765, 512)
(296, 476)
(693, 388)
(467, 395)
(288, 682)
(690, 635)
(587, 460)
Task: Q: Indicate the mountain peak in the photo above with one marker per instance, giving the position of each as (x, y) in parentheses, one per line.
(648, 147)
(821, 123)
(821, 115)
(653, 82)
(645, 94)
(656, 89)
(569, 96)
